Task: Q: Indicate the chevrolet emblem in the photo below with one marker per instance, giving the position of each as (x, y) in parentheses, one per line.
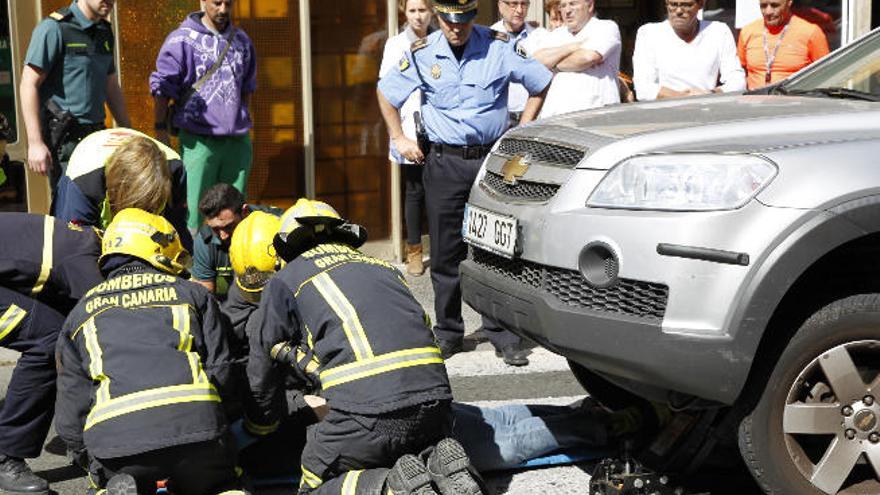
(515, 168)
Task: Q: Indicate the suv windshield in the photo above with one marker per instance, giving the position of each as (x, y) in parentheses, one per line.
(852, 73)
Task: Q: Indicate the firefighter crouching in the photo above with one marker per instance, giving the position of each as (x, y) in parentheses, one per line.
(144, 362)
(349, 325)
(45, 267)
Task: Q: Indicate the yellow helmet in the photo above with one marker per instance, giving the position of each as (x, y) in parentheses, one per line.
(149, 237)
(301, 224)
(252, 253)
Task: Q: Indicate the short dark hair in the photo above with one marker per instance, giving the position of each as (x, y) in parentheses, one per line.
(219, 197)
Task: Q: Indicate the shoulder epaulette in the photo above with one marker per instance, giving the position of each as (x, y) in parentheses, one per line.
(61, 14)
(500, 36)
(418, 44)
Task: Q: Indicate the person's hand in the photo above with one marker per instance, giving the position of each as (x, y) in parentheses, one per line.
(39, 159)
(409, 149)
(318, 404)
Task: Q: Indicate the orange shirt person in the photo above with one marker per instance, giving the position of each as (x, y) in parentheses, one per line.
(778, 45)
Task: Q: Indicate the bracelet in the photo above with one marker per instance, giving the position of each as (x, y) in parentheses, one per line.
(160, 126)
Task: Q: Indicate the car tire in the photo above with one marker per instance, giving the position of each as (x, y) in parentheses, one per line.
(599, 388)
(783, 439)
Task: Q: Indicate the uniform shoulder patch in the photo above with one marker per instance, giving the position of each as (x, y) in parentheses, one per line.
(74, 226)
(403, 64)
(498, 35)
(60, 14)
(520, 50)
(418, 44)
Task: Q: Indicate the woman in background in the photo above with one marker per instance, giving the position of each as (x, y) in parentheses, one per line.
(419, 19)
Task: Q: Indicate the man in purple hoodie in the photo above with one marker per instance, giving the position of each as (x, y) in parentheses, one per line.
(210, 101)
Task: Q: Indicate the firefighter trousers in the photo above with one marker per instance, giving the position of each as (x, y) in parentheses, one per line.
(31, 328)
(202, 468)
(341, 446)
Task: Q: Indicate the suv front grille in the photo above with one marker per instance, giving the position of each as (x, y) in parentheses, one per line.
(521, 191)
(551, 154)
(629, 297)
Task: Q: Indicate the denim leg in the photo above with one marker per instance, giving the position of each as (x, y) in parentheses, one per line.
(504, 437)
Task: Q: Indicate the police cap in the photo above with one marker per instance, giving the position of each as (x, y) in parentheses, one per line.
(457, 11)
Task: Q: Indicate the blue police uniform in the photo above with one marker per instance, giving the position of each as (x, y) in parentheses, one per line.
(464, 109)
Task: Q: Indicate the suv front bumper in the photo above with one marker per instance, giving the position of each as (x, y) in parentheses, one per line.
(622, 339)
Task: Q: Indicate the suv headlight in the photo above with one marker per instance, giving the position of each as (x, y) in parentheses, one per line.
(685, 182)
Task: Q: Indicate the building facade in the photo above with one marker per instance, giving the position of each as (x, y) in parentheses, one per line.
(317, 127)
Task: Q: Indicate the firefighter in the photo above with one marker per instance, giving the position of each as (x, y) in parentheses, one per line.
(45, 266)
(144, 362)
(347, 324)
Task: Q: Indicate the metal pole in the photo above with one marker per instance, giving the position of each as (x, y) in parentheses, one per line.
(394, 169)
(305, 37)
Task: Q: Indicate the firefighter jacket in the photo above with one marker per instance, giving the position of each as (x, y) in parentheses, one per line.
(355, 326)
(42, 257)
(145, 359)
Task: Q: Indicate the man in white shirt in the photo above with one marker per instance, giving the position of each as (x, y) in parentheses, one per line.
(585, 54)
(513, 22)
(684, 56)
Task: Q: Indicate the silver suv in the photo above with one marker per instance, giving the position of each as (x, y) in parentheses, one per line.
(708, 251)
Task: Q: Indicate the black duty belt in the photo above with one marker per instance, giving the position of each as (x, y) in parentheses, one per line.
(468, 152)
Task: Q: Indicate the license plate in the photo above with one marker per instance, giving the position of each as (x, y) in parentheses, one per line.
(488, 230)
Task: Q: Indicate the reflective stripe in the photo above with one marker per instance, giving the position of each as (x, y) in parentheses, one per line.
(379, 364)
(357, 338)
(349, 486)
(310, 478)
(10, 320)
(147, 399)
(259, 430)
(96, 361)
(180, 322)
(46, 267)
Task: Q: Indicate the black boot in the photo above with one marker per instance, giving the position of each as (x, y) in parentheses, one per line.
(16, 476)
(122, 484)
(449, 466)
(409, 477)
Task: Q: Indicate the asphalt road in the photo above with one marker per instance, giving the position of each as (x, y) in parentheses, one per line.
(478, 377)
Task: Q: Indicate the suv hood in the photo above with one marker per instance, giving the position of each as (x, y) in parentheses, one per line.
(739, 123)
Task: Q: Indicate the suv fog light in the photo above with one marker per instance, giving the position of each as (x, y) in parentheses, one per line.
(598, 264)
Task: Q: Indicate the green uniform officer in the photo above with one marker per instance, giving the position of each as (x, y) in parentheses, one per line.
(69, 75)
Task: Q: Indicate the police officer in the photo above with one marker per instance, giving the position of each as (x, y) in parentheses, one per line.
(69, 74)
(223, 207)
(463, 71)
(347, 324)
(45, 266)
(144, 363)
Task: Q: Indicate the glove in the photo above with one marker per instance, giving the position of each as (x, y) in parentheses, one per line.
(78, 457)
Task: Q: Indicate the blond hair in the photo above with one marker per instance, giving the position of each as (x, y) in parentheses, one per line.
(401, 5)
(138, 176)
(550, 6)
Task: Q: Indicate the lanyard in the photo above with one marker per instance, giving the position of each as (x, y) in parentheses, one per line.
(768, 59)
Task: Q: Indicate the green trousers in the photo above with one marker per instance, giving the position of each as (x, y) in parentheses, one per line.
(212, 159)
